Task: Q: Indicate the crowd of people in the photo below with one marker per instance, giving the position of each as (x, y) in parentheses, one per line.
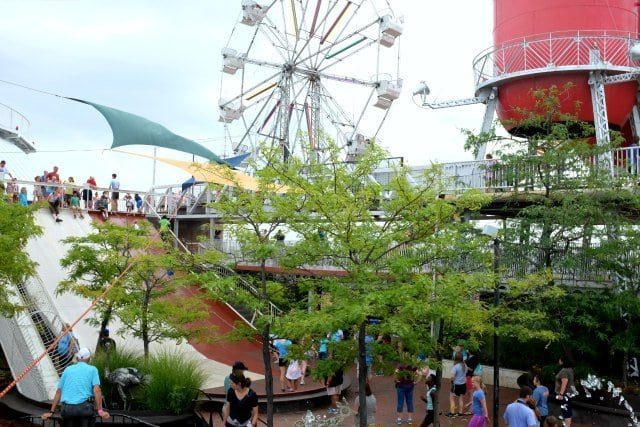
(49, 188)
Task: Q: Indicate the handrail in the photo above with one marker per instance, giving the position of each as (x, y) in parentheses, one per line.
(13, 120)
(226, 272)
(56, 420)
(549, 50)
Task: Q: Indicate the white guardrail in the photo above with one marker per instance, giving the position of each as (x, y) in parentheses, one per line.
(554, 50)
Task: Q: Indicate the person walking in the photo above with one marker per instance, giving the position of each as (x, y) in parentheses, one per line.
(540, 395)
(78, 384)
(87, 192)
(480, 413)
(282, 346)
(474, 368)
(293, 375)
(334, 388)
(458, 385)
(428, 399)
(518, 413)
(565, 388)
(405, 381)
(241, 409)
(114, 186)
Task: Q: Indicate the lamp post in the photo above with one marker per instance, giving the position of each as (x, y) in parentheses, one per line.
(496, 347)
(492, 231)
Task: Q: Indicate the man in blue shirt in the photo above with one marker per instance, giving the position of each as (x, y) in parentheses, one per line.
(79, 383)
(282, 346)
(518, 413)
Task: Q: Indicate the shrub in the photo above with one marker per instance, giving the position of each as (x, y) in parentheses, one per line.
(175, 381)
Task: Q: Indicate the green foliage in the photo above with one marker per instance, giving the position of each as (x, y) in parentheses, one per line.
(149, 298)
(17, 225)
(175, 382)
(572, 214)
(173, 378)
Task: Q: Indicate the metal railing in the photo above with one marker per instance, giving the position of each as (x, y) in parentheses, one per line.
(80, 187)
(14, 121)
(19, 351)
(46, 318)
(56, 421)
(232, 250)
(554, 50)
(491, 175)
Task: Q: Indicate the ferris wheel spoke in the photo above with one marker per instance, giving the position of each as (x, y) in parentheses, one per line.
(357, 43)
(321, 58)
(345, 79)
(312, 30)
(270, 33)
(248, 128)
(251, 89)
(300, 29)
(335, 25)
(327, 47)
(331, 101)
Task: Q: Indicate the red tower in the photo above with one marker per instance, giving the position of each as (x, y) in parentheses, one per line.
(550, 42)
(541, 43)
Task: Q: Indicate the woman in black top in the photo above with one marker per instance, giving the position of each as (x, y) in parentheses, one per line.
(241, 409)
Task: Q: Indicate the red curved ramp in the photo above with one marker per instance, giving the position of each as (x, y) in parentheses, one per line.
(223, 318)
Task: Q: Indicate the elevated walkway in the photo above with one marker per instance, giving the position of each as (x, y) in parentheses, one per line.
(14, 128)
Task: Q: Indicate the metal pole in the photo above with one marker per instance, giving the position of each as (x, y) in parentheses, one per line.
(153, 179)
(496, 348)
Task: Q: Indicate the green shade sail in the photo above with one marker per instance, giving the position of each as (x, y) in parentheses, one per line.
(130, 129)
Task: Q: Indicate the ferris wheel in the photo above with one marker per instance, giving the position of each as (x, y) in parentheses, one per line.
(300, 73)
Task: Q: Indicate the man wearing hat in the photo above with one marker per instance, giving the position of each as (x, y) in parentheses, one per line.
(78, 384)
(237, 368)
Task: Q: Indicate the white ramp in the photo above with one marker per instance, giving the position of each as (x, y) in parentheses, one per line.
(47, 250)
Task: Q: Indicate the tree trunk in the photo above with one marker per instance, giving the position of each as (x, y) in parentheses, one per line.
(362, 375)
(104, 322)
(439, 356)
(625, 367)
(266, 350)
(144, 322)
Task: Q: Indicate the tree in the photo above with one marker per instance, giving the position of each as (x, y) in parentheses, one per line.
(566, 210)
(95, 260)
(253, 217)
(147, 297)
(17, 226)
(382, 237)
(153, 308)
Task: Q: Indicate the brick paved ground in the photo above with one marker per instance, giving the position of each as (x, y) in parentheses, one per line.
(384, 390)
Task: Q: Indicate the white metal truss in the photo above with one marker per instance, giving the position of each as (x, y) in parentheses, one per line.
(634, 121)
(600, 119)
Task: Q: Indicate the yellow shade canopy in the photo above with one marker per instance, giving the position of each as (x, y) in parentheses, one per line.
(212, 173)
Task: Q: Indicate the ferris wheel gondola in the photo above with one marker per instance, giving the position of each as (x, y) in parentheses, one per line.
(298, 74)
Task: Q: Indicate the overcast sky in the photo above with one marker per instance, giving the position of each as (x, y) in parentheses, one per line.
(161, 59)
